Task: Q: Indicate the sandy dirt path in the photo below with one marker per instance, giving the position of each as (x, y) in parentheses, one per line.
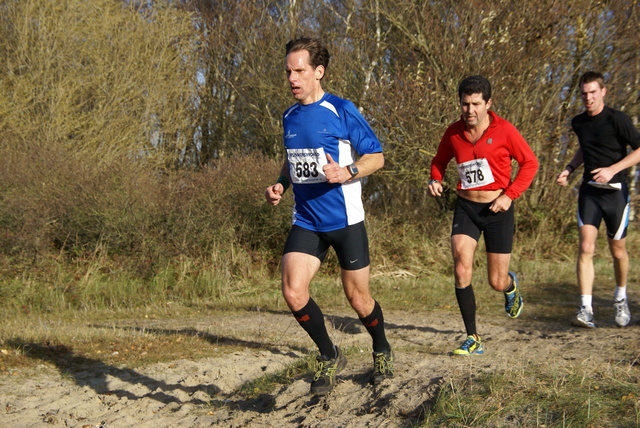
(202, 393)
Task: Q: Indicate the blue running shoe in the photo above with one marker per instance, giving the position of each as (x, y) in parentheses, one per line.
(513, 300)
(471, 346)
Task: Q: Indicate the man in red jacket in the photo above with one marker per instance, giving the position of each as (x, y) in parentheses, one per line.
(483, 145)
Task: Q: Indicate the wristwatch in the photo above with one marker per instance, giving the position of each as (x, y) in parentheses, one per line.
(353, 170)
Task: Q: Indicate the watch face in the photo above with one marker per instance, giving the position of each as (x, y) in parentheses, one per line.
(353, 170)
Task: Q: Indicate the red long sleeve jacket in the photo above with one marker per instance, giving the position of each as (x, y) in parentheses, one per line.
(500, 144)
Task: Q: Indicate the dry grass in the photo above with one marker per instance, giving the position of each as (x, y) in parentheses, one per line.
(585, 395)
(81, 316)
(547, 395)
(112, 338)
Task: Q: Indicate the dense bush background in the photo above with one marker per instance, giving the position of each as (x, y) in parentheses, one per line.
(142, 133)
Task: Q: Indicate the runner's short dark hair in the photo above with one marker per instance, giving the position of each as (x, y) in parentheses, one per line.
(475, 85)
(592, 76)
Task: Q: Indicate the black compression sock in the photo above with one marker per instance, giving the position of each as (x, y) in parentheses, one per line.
(374, 323)
(467, 303)
(311, 320)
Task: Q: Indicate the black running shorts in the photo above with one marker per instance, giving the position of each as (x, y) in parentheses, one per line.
(474, 218)
(351, 244)
(612, 206)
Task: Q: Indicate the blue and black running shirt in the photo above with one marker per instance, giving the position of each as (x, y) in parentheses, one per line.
(334, 126)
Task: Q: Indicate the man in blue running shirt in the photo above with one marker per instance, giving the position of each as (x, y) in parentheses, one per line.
(329, 148)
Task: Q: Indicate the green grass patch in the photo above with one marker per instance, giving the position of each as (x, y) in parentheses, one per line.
(605, 396)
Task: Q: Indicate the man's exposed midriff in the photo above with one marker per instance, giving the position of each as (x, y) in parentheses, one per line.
(482, 196)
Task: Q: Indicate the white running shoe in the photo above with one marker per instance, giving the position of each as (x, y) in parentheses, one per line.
(623, 316)
(584, 318)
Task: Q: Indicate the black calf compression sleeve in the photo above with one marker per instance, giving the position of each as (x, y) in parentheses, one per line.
(311, 320)
(467, 303)
(374, 323)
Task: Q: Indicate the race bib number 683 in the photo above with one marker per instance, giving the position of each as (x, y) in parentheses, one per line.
(305, 165)
(475, 173)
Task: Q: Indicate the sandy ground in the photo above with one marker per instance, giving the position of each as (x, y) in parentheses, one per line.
(202, 393)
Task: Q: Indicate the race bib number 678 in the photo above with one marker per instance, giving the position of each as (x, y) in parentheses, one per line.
(475, 173)
(305, 165)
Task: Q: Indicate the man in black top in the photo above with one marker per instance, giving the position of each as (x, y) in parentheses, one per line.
(603, 134)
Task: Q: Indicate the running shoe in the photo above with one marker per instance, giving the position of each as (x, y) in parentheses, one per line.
(584, 318)
(623, 316)
(471, 346)
(325, 377)
(513, 300)
(383, 366)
